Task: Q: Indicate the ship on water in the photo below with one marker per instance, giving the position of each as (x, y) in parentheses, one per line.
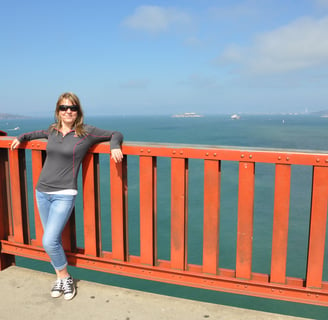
(235, 116)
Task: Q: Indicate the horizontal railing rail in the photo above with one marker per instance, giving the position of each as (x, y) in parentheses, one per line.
(16, 217)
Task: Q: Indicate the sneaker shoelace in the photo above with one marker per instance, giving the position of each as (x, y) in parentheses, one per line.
(68, 285)
(57, 285)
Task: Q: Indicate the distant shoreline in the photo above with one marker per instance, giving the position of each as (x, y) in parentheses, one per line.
(322, 114)
(8, 116)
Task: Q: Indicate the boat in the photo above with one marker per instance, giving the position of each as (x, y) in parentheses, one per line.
(235, 116)
(14, 129)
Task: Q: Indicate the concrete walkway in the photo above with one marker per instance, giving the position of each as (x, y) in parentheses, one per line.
(25, 294)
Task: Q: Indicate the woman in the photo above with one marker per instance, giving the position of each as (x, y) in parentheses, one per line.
(69, 139)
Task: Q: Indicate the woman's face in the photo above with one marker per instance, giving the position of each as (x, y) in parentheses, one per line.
(68, 116)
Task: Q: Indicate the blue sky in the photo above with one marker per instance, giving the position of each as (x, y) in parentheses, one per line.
(164, 57)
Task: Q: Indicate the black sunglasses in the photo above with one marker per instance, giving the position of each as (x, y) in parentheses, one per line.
(65, 108)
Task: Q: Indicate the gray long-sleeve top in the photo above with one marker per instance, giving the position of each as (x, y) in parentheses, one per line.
(65, 154)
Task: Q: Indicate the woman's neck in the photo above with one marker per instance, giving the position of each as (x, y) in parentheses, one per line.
(65, 129)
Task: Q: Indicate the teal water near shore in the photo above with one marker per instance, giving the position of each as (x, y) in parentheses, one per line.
(302, 132)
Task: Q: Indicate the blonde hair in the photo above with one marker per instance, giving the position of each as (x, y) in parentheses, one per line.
(78, 124)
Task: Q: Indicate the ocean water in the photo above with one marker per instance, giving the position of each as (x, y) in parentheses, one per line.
(300, 132)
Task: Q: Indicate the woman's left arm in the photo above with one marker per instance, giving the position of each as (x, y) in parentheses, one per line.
(115, 146)
(115, 137)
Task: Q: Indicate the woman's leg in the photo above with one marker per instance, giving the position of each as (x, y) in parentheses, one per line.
(43, 201)
(59, 211)
(55, 211)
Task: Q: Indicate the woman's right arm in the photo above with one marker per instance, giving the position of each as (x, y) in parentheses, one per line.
(41, 134)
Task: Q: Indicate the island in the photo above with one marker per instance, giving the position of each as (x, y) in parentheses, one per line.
(187, 115)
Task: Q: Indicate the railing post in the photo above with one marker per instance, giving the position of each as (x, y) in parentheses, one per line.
(91, 204)
(118, 187)
(212, 175)
(148, 213)
(19, 195)
(179, 215)
(37, 162)
(245, 220)
(5, 259)
(280, 223)
(318, 222)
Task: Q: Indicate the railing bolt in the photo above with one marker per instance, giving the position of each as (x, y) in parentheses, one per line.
(148, 150)
(181, 152)
(214, 154)
(242, 156)
(287, 158)
(250, 156)
(279, 158)
(326, 160)
(141, 150)
(174, 152)
(318, 160)
(207, 153)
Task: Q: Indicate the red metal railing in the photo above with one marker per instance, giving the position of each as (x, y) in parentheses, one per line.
(16, 240)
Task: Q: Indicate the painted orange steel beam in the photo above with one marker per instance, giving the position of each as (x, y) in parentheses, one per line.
(37, 162)
(148, 210)
(302, 157)
(118, 182)
(5, 193)
(212, 175)
(280, 223)
(179, 214)
(18, 195)
(242, 280)
(221, 153)
(5, 259)
(91, 204)
(245, 220)
(318, 222)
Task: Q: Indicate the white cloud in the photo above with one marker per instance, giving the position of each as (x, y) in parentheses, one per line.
(299, 45)
(155, 19)
(232, 53)
(235, 11)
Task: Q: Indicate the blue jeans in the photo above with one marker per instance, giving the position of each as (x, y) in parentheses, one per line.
(55, 210)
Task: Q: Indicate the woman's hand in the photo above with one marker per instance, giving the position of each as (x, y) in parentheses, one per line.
(117, 155)
(15, 144)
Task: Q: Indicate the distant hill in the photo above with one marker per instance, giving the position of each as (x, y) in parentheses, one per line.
(321, 113)
(5, 116)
